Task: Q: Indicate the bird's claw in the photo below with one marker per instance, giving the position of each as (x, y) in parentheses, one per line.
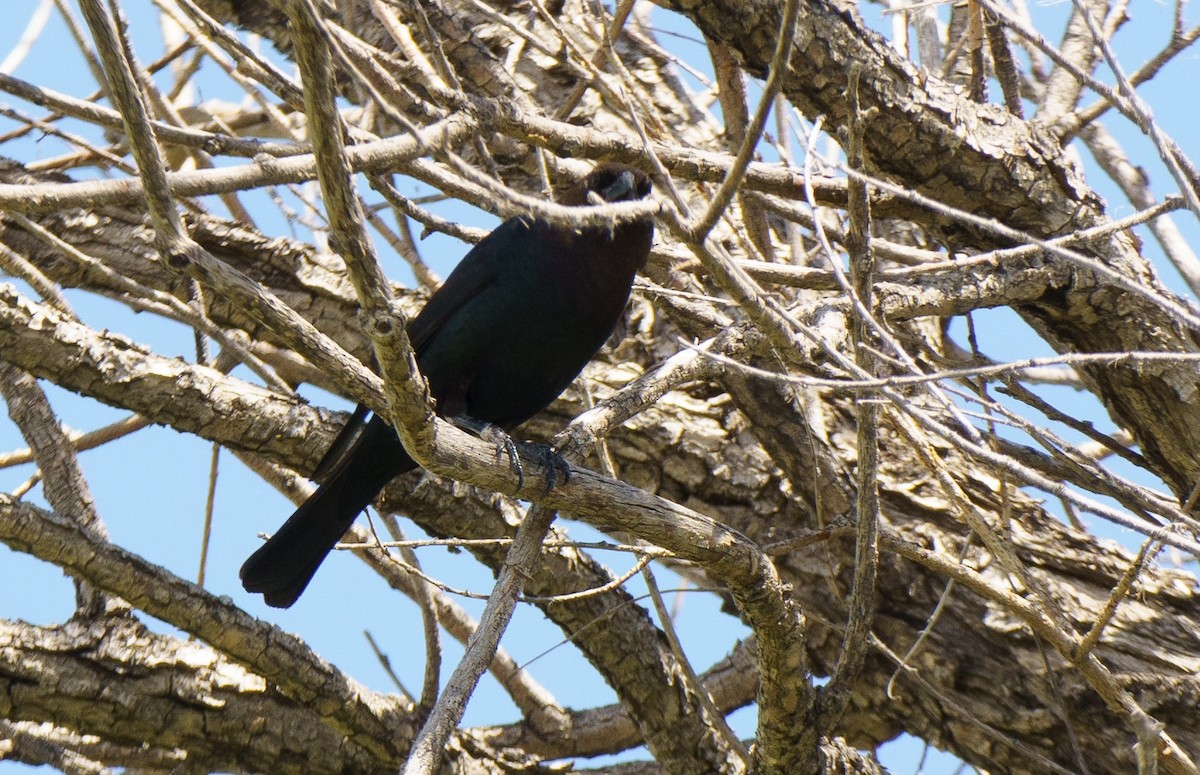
(552, 462)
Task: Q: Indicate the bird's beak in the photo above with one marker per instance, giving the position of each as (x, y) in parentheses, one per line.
(623, 188)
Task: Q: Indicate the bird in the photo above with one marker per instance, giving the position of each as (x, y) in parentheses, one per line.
(511, 327)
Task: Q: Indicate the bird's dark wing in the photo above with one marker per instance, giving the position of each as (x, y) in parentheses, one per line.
(478, 269)
(342, 446)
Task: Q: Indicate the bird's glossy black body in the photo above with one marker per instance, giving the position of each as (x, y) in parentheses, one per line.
(512, 326)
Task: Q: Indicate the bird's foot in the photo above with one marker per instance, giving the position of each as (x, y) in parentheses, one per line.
(496, 435)
(552, 462)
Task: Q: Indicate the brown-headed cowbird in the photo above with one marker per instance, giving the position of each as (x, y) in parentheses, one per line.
(512, 326)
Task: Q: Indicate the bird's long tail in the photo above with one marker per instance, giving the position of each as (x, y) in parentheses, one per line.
(283, 566)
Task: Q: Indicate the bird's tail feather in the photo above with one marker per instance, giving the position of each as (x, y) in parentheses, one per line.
(283, 566)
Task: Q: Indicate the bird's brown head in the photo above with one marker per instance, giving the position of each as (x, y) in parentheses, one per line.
(610, 182)
(625, 244)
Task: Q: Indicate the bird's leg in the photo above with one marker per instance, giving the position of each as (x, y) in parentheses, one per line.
(553, 463)
(497, 436)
